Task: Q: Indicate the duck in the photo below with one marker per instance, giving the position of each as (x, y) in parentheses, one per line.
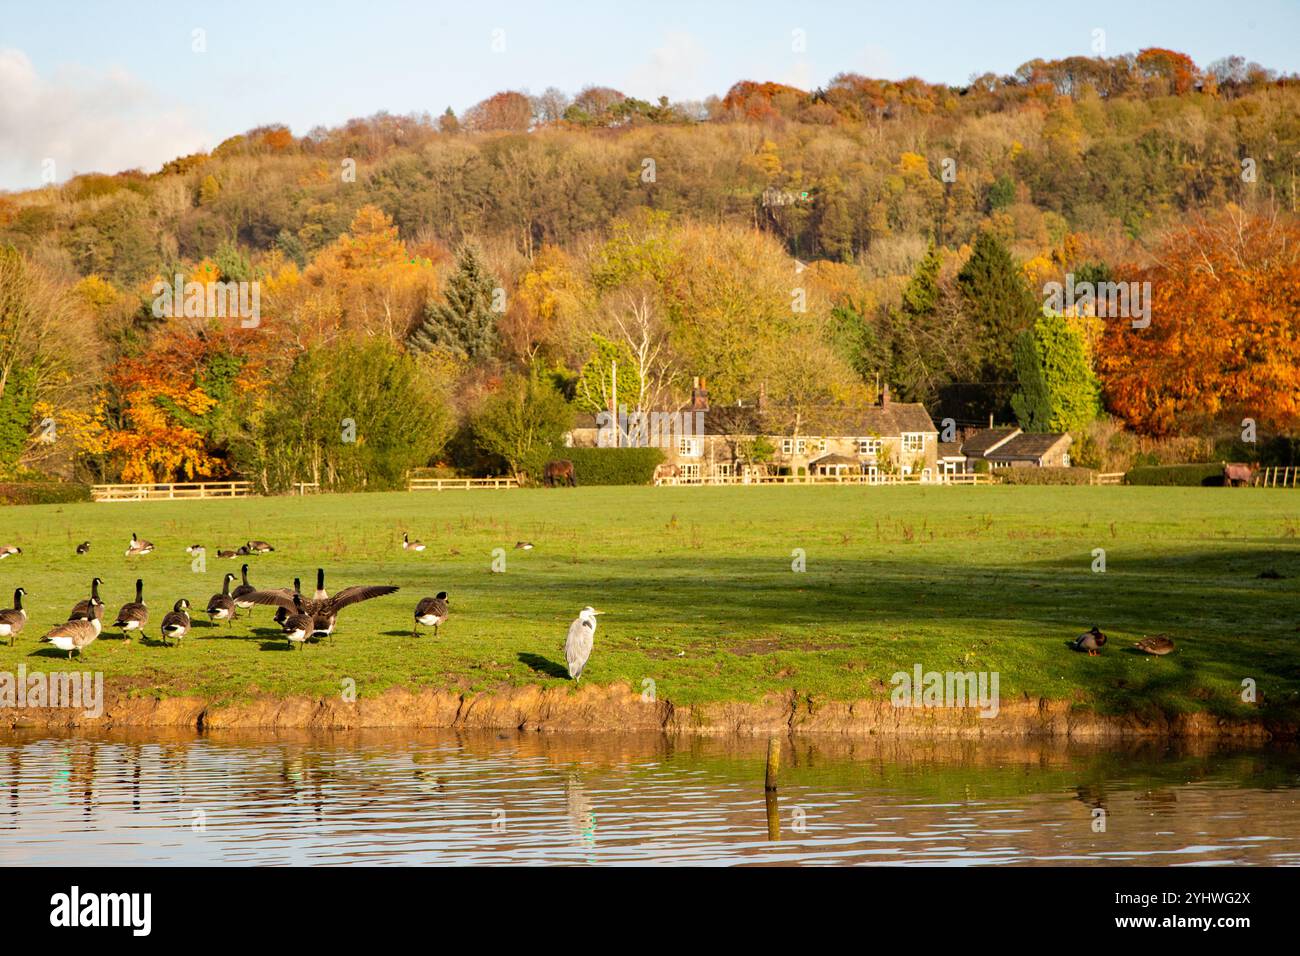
(409, 545)
(176, 622)
(1092, 641)
(91, 608)
(240, 593)
(222, 606)
(323, 608)
(258, 547)
(297, 625)
(138, 546)
(134, 615)
(9, 550)
(1157, 644)
(14, 618)
(523, 546)
(431, 612)
(83, 548)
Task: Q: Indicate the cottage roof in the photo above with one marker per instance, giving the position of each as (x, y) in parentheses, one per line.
(1029, 446)
(978, 444)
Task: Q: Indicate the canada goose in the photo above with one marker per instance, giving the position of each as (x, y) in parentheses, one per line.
(1158, 644)
(323, 608)
(243, 551)
(176, 622)
(577, 646)
(12, 619)
(9, 549)
(523, 546)
(222, 606)
(409, 545)
(83, 548)
(90, 609)
(431, 612)
(225, 553)
(282, 613)
(1091, 641)
(240, 593)
(138, 546)
(259, 547)
(134, 615)
(74, 635)
(297, 625)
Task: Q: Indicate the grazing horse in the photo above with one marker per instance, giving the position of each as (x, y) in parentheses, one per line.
(561, 470)
(1237, 474)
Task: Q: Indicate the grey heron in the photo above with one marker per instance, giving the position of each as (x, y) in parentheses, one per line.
(577, 646)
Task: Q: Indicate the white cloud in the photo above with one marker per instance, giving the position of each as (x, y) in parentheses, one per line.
(85, 122)
(673, 70)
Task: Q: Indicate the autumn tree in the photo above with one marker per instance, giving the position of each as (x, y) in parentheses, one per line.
(522, 422)
(1223, 342)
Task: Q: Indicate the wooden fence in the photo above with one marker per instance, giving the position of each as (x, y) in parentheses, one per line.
(1287, 476)
(443, 484)
(171, 492)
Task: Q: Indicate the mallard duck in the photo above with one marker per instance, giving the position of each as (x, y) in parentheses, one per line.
(1157, 644)
(1091, 641)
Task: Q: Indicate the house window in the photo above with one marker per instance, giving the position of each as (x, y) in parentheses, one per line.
(868, 446)
(821, 444)
(691, 472)
(800, 446)
(787, 446)
(724, 469)
(914, 441)
(690, 447)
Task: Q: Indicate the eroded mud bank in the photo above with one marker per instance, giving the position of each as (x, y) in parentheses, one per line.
(618, 709)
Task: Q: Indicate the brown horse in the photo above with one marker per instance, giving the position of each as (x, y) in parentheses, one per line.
(561, 470)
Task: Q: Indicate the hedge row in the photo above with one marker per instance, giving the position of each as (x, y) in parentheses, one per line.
(613, 466)
(1210, 473)
(42, 492)
(1046, 476)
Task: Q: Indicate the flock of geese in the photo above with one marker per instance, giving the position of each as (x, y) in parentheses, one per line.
(301, 618)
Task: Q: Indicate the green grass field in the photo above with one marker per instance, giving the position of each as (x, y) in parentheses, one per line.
(698, 592)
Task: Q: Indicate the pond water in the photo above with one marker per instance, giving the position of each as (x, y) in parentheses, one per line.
(160, 797)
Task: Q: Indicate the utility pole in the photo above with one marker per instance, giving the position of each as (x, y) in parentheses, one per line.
(618, 426)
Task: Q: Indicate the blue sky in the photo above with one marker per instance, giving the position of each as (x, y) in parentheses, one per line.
(110, 86)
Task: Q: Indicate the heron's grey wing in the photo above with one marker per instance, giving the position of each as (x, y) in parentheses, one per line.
(577, 647)
(279, 597)
(358, 593)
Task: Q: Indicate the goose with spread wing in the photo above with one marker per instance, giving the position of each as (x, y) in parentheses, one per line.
(323, 607)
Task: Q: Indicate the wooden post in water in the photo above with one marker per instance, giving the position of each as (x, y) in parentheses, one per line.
(773, 762)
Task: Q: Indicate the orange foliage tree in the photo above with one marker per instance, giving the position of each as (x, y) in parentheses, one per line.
(1224, 338)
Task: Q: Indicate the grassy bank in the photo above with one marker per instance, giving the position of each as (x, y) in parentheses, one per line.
(699, 593)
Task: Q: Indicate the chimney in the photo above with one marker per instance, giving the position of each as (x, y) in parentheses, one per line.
(884, 396)
(699, 395)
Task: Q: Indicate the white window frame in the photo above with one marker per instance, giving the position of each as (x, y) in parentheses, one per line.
(913, 441)
(724, 469)
(787, 446)
(869, 446)
(690, 447)
(689, 470)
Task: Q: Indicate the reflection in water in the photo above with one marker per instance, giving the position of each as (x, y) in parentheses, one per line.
(161, 797)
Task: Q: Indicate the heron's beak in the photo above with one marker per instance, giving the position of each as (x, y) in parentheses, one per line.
(597, 612)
